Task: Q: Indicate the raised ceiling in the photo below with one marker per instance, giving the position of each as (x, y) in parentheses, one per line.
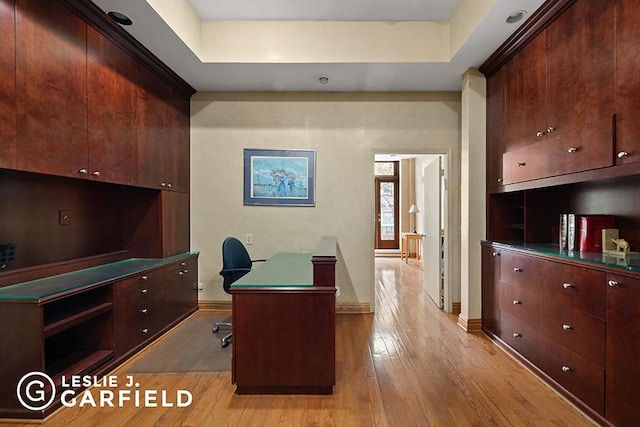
(287, 45)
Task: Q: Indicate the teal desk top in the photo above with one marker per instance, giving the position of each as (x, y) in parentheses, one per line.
(35, 290)
(282, 269)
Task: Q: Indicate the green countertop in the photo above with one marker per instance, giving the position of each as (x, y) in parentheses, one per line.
(61, 283)
(626, 263)
(281, 270)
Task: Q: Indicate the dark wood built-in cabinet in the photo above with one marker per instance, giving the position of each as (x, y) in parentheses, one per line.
(94, 179)
(562, 137)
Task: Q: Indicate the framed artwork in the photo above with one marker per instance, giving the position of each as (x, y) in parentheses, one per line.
(279, 177)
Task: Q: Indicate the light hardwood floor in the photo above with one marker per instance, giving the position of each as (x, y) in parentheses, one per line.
(408, 364)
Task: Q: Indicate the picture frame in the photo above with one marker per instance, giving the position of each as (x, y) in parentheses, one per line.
(279, 177)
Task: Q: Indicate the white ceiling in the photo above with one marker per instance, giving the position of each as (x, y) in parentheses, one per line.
(153, 32)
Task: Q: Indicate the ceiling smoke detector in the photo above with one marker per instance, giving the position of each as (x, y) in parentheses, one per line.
(516, 16)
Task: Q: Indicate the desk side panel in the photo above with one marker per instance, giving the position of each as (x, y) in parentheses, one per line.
(284, 341)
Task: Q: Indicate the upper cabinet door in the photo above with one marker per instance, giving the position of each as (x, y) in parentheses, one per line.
(580, 85)
(526, 95)
(627, 81)
(8, 148)
(149, 124)
(111, 132)
(495, 127)
(177, 120)
(51, 80)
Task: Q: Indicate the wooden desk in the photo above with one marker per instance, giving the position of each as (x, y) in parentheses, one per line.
(284, 327)
(405, 244)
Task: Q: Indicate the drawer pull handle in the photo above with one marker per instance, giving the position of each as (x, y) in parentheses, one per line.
(95, 173)
(145, 331)
(566, 369)
(516, 302)
(143, 291)
(623, 154)
(551, 129)
(83, 171)
(182, 264)
(516, 335)
(517, 270)
(613, 283)
(144, 278)
(520, 164)
(144, 311)
(162, 184)
(567, 285)
(180, 273)
(566, 327)
(539, 134)
(572, 150)
(168, 185)
(185, 271)
(499, 179)
(494, 254)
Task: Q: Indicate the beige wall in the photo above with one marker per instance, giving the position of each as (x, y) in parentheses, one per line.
(345, 129)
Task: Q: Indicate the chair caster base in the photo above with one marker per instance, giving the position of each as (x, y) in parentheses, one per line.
(215, 329)
(225, 343)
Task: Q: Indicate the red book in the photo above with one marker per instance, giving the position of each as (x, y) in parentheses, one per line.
(590, 231)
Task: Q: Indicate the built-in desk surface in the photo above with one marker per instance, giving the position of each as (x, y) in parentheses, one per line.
(36, 290)
(282, 269)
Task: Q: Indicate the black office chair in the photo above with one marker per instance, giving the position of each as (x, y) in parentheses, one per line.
(235, 264)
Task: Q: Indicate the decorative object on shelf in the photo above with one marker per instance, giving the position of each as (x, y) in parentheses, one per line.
(615, 247)
(413, 210)
(590, 231)
(279, 177)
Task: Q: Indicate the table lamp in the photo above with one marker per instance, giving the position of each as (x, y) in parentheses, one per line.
(413, 210)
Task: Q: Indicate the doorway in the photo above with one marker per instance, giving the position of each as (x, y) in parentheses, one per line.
(387, 197)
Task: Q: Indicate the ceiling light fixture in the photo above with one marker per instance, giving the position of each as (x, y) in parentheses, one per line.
(120, 18)
(323, 80)
(516, 16)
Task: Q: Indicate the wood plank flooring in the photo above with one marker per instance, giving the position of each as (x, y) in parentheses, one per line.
(408, 364)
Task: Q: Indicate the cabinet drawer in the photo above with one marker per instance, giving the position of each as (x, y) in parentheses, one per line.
(578, 375)
(523, 339)
(524, 164)
(574, 329)
(521, 269)
(519, 302)
(576, 287)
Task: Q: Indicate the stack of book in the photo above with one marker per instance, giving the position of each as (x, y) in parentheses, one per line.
(583, 233)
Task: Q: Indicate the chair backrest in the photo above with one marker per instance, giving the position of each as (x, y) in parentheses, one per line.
(236, 261)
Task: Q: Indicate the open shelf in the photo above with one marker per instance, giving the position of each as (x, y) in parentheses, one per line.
(75, 319)
(78, 363)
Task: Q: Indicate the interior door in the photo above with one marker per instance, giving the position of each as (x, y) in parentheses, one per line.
(387, 218)
(431, 243)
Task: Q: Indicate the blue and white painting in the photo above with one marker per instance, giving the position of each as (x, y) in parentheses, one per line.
(279, 177)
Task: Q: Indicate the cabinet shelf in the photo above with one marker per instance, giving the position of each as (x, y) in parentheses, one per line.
(75, 319)
(78, 363)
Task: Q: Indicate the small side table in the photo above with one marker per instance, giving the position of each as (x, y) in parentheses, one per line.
(406, 243)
